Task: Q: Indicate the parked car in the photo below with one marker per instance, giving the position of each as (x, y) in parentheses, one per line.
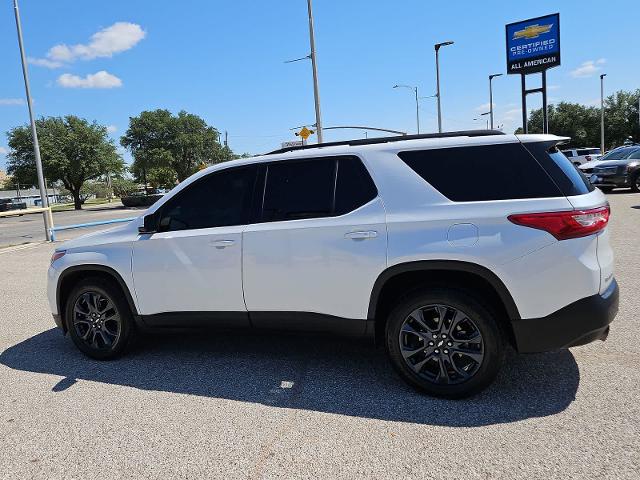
(579, 156)
(426, 245)
(8, 204)
(620, 168)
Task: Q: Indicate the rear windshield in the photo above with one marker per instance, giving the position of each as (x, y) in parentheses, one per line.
(619, 153)
(484, 172)
(565, 175)
(589, 151)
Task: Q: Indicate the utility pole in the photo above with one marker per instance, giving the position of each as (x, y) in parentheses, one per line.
(491, 77)
(226, 138)
(415, 91)
(602, 113)
(316, 90)
(34, 133)
(437, 46)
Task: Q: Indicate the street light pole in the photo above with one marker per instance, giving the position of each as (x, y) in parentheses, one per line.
(415, 91)
(602, 112)
(491, 77)
(437, 47)
(36, 146)
(316, 92)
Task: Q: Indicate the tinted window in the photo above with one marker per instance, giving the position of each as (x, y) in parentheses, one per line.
(217, 200)
(619, 153)
(568, 153)
(299, 190)
(354, 186)
(488, 172)
(566, 176)
(589, 151)
(635, 155)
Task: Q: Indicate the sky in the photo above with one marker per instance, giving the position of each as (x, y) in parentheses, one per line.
(224, 61)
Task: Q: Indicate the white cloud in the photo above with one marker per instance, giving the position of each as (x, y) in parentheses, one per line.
(101, 79)
(512, 114)
(553, 87)
(112, 129)
(484, 107)
(119, 37)
(588, 68)
(11, 101)
(3, 151)
(44, 62)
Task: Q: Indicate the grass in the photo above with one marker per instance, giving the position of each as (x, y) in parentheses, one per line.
(65, 207)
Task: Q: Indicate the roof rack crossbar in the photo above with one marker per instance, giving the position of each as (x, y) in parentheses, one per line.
(376, 140)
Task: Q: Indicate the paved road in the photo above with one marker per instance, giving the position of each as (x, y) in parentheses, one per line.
(238, 406)
(29, 228)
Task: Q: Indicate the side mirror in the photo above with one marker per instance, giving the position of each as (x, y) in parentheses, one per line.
(150, 224)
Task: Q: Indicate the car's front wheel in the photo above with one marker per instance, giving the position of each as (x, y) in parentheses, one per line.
(444, 342)
(635, 183)
(98, 319)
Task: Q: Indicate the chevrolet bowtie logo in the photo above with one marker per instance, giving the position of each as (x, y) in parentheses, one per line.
(532, 31)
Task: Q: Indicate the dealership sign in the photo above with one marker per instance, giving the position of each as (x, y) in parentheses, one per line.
(533, 45)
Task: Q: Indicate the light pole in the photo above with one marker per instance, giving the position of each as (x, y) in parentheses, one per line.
(36, 146)
(491, 77)
(316, 91)
(415, 91)
(602, 112)
(437, 46)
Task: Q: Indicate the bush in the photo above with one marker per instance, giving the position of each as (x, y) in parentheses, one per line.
(140, 200)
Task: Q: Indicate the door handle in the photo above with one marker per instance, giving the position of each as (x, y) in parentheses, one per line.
(361, 235)
(222, 243)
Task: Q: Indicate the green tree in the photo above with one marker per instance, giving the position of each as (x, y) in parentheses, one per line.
(159, 141)
(123, 186)
(582, 123)
(73, 152)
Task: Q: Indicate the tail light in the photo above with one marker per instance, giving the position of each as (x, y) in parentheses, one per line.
(567, 224)
(587, 158)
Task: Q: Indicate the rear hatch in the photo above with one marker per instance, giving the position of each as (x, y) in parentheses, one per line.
(583, 196)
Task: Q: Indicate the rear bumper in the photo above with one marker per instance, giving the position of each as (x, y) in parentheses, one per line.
(576, 324)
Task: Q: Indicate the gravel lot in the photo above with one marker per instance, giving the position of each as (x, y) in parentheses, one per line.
(238, 406)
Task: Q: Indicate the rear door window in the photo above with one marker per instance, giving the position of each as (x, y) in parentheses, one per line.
(480, 173)
(314, 188)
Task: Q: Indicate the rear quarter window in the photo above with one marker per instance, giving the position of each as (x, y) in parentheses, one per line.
(480, 173)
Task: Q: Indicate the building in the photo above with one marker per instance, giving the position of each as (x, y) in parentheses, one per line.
(31, 196)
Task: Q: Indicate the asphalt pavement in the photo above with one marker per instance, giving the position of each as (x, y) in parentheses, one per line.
(17, 230)
(274, 406)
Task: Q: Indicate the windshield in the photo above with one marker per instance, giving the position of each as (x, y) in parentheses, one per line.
(619, 153)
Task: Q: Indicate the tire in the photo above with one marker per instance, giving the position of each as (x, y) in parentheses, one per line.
(105, 332)
(420, 358)
(635, 183)
(606, 189)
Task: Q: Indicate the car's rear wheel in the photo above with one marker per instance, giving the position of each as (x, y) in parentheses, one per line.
(635, 183)
(99, 319)
(606, 189)
(444, 342)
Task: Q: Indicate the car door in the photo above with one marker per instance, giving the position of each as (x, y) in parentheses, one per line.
(318, 247)
(191, 267)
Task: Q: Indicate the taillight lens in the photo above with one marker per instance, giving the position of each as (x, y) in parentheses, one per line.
(57, 254)
(567, 224)
(587, 158)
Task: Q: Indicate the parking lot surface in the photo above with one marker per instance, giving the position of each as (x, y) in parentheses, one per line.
(273, 406)
(16, 230)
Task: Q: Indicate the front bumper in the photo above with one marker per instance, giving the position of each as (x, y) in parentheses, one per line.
(610, 180)
(576, 324)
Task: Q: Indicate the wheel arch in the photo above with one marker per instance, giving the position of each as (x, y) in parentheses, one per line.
(70, 277)
(390, 284)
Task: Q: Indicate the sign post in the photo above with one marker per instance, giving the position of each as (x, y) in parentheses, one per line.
(533, 46)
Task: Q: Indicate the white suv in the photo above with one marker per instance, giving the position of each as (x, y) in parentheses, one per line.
(444, 248)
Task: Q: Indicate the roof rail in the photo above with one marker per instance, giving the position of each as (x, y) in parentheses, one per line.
(400, 138)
